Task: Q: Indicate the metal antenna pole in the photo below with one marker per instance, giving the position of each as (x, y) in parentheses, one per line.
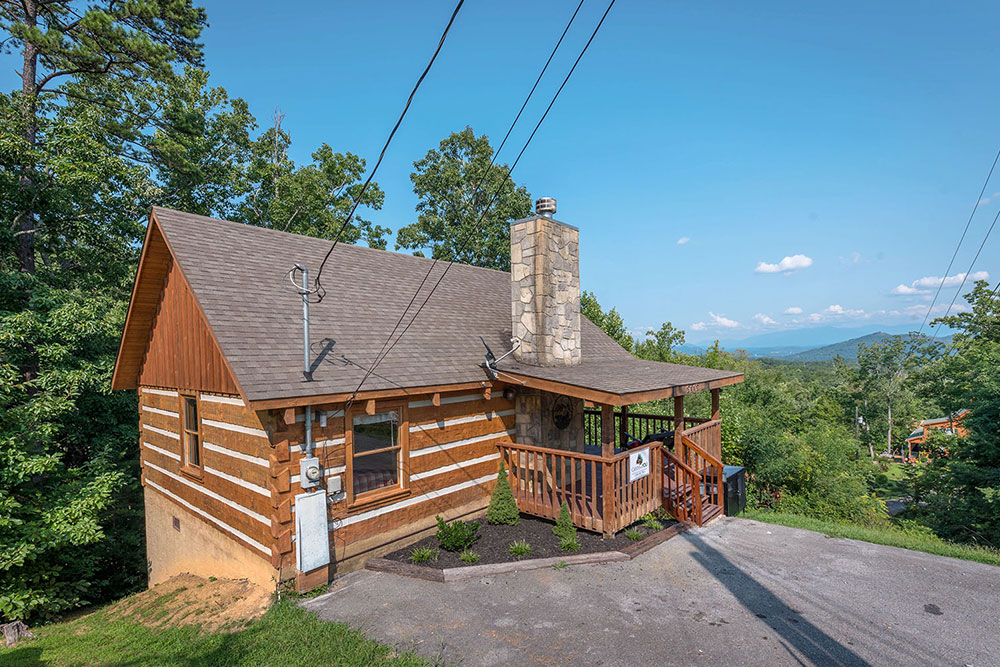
(305, 355)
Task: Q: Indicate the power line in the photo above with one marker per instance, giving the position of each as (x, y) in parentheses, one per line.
(470, 200)
(318, 286)
(975, 208)
(496, 193)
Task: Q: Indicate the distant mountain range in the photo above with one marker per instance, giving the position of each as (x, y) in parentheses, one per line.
(791, 345)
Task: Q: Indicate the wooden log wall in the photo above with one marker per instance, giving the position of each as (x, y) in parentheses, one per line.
(453, 462)
(234, 493)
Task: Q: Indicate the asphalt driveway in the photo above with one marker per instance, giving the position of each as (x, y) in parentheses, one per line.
(736, 592)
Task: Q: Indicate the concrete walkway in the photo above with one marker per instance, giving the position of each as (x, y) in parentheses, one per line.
(736, 592)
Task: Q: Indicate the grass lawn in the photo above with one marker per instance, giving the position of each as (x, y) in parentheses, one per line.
(891, 535)
(285, 635)
(893, 486)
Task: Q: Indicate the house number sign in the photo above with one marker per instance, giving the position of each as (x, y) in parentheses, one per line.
(638, 464)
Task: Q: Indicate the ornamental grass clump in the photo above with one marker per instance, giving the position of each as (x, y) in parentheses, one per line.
(520, 549)
(651, 522)
(503, 508)
(564, 528)
(458, 536)
(469, 556)
(423, 554)
(633, 534)
(570, 545)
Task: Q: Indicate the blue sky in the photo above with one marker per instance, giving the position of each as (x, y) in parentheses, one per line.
(851, 138)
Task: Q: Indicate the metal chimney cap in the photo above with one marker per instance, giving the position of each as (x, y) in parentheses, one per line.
(545, 206)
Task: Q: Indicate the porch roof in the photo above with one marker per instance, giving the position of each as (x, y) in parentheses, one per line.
(621, 379)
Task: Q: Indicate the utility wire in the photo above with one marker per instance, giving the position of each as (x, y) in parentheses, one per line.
(975, 208)
(318, 286)
(492, 199)
(471, 200)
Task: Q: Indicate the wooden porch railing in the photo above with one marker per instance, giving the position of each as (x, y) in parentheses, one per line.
(637, 424)
(707, 436)
(597, 490)
(708, 467)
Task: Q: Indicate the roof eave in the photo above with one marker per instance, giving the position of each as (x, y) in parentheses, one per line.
(626, 398)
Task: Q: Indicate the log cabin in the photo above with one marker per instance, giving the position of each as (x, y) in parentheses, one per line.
(270, 451)
(953, 424)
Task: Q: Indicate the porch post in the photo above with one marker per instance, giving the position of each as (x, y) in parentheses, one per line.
(715, 404)
(623, 426)
(607, 431)
(678, 424)
(607, 471)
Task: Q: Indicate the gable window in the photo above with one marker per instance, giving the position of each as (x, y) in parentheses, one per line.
(378, 449)
(190, 435)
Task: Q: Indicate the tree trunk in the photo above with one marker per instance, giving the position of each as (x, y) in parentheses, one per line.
(27, 216)
(888, 435)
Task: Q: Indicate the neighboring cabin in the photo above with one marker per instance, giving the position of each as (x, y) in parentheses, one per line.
(953, 424)
(213, 344)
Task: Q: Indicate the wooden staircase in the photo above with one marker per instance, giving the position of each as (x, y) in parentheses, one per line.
(692, 484)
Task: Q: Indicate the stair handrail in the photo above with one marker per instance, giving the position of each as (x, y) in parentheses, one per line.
(691, 444)
(695, 486)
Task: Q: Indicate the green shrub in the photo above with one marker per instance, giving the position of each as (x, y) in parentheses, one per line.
(519, 549)
(468, 556)
(564, 528)
(572, 544)
(651, 522)
(458, 536)
(503, 508)
(423, 554)
(633, 534)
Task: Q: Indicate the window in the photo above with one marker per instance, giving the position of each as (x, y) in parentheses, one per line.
(377, 451)
(190, 437)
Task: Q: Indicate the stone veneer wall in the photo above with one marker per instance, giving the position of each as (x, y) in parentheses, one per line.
(545, 291)
(534, 425)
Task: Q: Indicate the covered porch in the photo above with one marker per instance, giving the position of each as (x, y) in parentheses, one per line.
(631, 464)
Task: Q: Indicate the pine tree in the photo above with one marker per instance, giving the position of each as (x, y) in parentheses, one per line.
(503, 507)
(564, 528)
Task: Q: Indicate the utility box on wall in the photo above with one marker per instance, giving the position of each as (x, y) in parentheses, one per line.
(312, 534)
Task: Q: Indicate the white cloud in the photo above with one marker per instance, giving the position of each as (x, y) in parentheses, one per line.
(793, 310)
(721, 321)
(928, 283)
(764, 319)
(906, 290)
(682, 240)
(698, 326)
(836, 312)
(791, 263)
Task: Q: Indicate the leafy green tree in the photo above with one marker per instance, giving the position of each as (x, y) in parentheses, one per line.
(457, 218)
(74, 182)
(659, 345)
(958, 492)
(312, 199)
(611, 321)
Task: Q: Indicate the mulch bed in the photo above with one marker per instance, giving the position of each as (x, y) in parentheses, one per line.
(493, 545)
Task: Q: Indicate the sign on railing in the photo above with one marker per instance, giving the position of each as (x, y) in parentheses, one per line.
(638, 464)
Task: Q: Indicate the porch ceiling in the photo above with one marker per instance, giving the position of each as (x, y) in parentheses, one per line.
(621, 381)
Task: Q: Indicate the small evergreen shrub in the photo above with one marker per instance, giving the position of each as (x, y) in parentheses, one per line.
(503, 508)
(520, 549)
(468, 556)
(572, 544)
(633, 534)
(651, 522)
(458, 536)
(564, 528)
(423, 554)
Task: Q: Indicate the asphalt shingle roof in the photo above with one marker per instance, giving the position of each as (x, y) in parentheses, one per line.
(237, 270)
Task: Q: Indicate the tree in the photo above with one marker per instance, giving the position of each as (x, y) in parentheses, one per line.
(74, 181)
(659, 345)
(610, 322)
(958, 493)
(465, 204)
(312, 199)
(503, 507)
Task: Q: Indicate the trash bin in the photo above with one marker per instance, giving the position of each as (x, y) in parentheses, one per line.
(734, 485)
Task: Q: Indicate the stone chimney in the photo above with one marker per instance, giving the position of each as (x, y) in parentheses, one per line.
(545, 288)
